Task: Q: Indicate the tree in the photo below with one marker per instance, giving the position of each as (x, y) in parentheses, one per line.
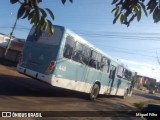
(38, 16)
(125, 11)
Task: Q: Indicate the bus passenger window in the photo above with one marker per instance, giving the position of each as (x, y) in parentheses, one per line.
(86, 54)
(127, 75)
(77, 55)
(69, 46)
(120, 72)
(93, 62)
(105, 65)
(112, 72)
(99, 61)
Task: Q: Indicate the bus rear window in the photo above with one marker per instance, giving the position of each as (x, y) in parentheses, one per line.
(44, 37)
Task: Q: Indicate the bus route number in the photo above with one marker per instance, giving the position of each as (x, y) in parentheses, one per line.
(62, 68)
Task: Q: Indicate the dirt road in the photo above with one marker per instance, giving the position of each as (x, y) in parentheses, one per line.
(21, 93)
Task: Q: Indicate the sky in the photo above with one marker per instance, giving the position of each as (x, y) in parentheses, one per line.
(137, 45)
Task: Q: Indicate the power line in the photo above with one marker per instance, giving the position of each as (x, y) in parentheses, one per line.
(113, 47)
(109, 34)
(122, 37)
(126, 52)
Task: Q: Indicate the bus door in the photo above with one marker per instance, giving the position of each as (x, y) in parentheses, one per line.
(111, 79)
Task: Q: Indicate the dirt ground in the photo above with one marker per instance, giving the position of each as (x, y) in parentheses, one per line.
(22, 93)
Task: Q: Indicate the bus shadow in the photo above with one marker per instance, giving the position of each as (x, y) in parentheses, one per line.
(23, 86)
(20, 86)
(7, 62)
(110, 96)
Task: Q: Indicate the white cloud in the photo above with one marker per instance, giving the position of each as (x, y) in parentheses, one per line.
(144, 69)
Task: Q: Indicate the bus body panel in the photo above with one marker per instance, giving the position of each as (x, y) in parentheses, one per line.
(105, 83)
(70, 70)
(119, 87)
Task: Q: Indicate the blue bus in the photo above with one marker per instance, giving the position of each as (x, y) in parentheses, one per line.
(68, 61)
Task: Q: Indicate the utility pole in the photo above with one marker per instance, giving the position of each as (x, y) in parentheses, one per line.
(9, 42)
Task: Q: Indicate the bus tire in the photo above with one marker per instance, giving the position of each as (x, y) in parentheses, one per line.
(94, 92)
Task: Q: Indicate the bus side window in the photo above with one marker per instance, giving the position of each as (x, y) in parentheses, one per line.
(120, 72)
(112, 72)
(99, 61)
(127, 75)
(77, 55)
(69, 46)
(93, 62)
(86, 52)
(105, 65)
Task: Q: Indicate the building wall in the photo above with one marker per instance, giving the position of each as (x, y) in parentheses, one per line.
(15, 49)
(12, 55)
(139, 80)
(145, 81)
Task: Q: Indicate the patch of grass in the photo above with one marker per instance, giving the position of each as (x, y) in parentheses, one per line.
(140, 105)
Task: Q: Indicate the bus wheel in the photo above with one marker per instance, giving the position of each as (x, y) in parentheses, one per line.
(94, 92)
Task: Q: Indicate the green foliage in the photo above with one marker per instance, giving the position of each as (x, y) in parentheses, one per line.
(127, 10)
(37, 16)
(13, 1)
(64, 1)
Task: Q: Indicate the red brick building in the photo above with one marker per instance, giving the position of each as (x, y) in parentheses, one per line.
(145, 81)
(16, 43)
